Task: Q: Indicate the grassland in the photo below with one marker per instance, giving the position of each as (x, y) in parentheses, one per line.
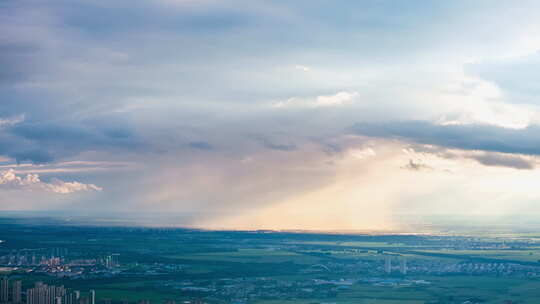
(250, 256)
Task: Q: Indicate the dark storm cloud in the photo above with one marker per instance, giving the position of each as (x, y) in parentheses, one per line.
(416, 166)
(467, 137)
(201, 145)
(34, 156)
(498, 160)
(277, 146)
(272, 144)
(493, 159)
(44, 142)
(51, 132)
(280, 147)
(332, 148)
(76, 134)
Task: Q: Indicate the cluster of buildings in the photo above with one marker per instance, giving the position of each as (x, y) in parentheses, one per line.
(58, 263)
(11, 292)
(388, 265)
(248, 289)
(33, 259)
(110, 261)
(475, 268)
(392, 265)
(28, 260)
(50, 294)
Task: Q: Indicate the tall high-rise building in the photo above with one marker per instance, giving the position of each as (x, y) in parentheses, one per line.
(388, 265)
(403, 266)
(44, 294)
(107, 261)
(71, 297)
(16, 292)
(92, 296)
(115, 259)
(4, 290)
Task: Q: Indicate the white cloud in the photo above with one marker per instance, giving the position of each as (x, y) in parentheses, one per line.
(302, 68)
(67, 167)
(362, 153)
(33, 182)
(339, 99)
(9, 121)
(59, 186)
(476, 101)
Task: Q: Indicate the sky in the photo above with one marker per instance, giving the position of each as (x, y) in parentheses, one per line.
(242, 114)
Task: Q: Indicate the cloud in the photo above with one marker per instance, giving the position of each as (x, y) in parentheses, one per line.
(34, 156)
(44, 142)
(59, 186)
(267, 143)
(302, 68)
(8, 179)
(486, 158)
(501, 160)
(77, 71)
(201, 145)
(416, 166)
(67, 167)
(467, 137)
(362, 153)
(515, 76)
(339, 99)
(10, 121)
(280, 147)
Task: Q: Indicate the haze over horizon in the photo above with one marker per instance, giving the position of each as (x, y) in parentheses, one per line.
(311, 115)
